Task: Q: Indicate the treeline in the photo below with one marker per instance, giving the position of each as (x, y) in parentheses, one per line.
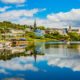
(6, 24)
(72, 36)
(56, 35)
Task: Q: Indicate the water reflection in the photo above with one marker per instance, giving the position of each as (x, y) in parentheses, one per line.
(13, 79)
(40, 61)
(17, 51)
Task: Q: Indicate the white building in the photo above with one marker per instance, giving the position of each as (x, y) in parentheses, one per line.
(16, 31)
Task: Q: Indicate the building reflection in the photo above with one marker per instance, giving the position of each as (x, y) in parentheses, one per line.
(17, 51)
(62, 49)
(40, 49)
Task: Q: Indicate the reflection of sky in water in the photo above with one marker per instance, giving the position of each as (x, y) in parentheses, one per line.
(60, 62)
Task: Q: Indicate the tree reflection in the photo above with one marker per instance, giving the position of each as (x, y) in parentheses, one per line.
(12, 52)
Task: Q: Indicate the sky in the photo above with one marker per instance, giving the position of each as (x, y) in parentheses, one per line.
(48, 13)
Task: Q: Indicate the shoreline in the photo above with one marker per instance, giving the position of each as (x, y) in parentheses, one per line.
(40, 40)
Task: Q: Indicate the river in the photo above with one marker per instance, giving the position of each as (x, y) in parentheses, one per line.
(41, 61)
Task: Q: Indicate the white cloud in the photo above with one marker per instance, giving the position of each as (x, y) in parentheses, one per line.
(4, 8)
(71, 63)
(16, 14)
(20, 5)
(10, 65)
(3, 71)
(52, 20)
(13, 79)
(15, 64)
(20, 16)
(43, 9)
(60, 60)
(57, 20)
(65, 19)
(13, 1)
(74, 14)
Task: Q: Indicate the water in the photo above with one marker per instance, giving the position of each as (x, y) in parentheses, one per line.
(41, 61)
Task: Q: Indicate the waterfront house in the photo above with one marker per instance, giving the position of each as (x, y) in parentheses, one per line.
(17, 50)
(8, 34)
(17, 32)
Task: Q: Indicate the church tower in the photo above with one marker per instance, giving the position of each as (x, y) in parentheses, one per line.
(35, 25)
(69, 29)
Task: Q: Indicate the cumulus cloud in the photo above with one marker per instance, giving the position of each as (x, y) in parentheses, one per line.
(14, 1)
(74, 14)
(65, 19)
(3, 71)
(62, 61)
(62, 57)
(20, 5)
(20, 16)
(4, 8)
(71, 18)
(17, 14)
(15, 65)
(13, 79)
(10, 65)
(59, 20)
(71, 63)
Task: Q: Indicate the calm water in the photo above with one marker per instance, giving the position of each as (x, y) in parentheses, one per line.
(41, 61)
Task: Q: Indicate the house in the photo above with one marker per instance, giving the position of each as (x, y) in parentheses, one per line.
(74, 30)
(17, 50)
(48, 31)
(62, 31)
(39, 32)
(28, 29)
(16, 31)
(8, 34)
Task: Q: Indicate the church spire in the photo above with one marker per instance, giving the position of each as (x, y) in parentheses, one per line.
(35, 23)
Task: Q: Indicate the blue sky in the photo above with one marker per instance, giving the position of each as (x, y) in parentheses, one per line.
(49, 13)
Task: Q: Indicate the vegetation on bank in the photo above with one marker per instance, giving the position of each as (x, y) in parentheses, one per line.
(56, 36)
(72, 36)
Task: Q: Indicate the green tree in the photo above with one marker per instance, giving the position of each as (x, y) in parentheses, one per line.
(74, 36)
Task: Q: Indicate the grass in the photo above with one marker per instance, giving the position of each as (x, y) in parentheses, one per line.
(31, 40)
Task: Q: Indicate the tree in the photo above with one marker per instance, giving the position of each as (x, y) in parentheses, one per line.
(41, 27)
(49, 36)
(74, 36)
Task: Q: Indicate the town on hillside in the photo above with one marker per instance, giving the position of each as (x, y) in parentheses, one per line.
(19, 34)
